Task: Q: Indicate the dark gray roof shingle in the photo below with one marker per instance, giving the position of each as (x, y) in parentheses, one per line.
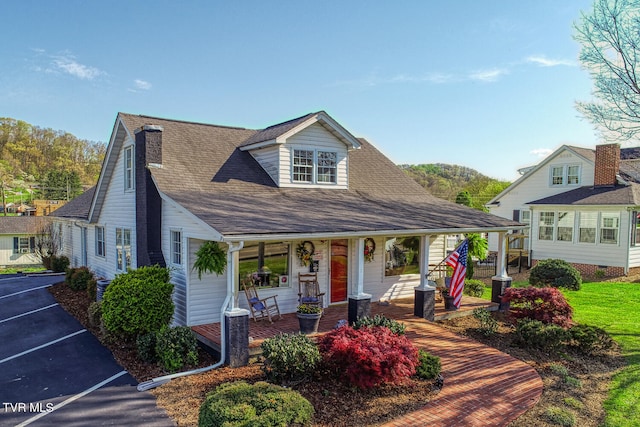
(78, 207)
(21, 224)
(595, 196)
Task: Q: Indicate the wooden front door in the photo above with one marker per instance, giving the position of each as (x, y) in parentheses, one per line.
(339, 269)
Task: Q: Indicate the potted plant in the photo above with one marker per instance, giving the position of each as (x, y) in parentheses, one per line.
(309, 318)
(448, 300)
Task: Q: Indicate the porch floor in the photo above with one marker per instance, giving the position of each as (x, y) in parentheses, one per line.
(400, 309)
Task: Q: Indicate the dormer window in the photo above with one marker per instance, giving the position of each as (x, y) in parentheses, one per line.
(315, 166)
(565, 175)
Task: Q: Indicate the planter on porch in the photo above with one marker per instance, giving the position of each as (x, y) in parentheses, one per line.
(309, 322)
(448, 303)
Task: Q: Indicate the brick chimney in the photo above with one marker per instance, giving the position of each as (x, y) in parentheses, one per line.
(148, 203)
(607, 165)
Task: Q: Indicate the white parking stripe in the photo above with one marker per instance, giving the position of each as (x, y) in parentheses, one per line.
(28, 312)
(22, 292)
(15, 356)
(71, 399)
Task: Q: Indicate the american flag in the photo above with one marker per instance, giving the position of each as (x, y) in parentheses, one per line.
(458, 261)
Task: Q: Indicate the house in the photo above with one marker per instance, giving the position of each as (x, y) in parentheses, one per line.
(581, 206)
(18, 240)
(297, 196)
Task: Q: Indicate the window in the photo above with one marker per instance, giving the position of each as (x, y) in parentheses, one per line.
(547, 220)
(587, 227)
(24, 245)
(264, 263)
(176, 247)
(609, 225)
(128, 168)
(565, 175)
(557, 173)
(635, 228)
(100, 243)
(402, 255)
(565, 226)
(123, 249)
(311, 166)
(573, 174)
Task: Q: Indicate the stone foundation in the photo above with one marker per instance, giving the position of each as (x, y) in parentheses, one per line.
(591, 270)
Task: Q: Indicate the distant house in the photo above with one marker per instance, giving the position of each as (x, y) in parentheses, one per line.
(45, 207)
(18, 240)
(582, 206)
(269, 197)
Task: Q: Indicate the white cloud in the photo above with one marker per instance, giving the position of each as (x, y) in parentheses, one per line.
(142, 84)
(543, 61)
(491, 75)
(69, 65)
(541, 152)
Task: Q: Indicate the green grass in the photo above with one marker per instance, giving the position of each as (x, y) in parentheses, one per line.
(14, 270)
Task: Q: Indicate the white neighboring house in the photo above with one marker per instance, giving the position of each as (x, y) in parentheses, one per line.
(18, 239)
(167, 186)
(582, 206)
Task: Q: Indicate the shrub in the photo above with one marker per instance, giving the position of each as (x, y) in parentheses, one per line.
(146, 346)
(289, 357)
(572, 402)
(545, 304)
(536, 334)
(261, 404)
(79, 279)
(488, 325)
(590, 339)
(176, 347)
(95, 313)
(138, 302)
(428, 365)
(59, 264)
(556, 273)
(572, 382)
(379, 320)
(559, 416)
(473, 288)
(559, 369)
(370, 356)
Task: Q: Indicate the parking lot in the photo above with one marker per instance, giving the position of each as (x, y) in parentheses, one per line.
(54, 372)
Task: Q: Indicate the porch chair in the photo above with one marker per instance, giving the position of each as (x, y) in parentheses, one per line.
(261, 308)
(309, 289)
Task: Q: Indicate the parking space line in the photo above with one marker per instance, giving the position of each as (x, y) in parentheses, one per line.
(71, 399)
(22, 292)
(15, 356)
(28, 313)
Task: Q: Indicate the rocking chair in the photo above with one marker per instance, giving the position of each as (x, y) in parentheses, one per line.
(309, 289)
(261, 308)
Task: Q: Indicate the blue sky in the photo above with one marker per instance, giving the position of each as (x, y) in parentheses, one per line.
(488, 84)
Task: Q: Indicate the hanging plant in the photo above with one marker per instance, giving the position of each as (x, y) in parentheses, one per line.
(305, 251)
(369, 249)
(210, 258)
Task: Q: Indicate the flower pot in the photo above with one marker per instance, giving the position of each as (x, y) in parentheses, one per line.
(448, 303)
(309, 322)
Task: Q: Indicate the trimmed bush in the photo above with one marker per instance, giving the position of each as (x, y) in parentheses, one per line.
(176, 348)
(95, 313)
(545, 304)
(289, 357)
(239, 404)
(473, 288)
(590, 339)
(429, 366)
(556, 273)
(368, 357)
(146, 346)
(59, 264)
(80, 279)
(379, 320)
(536, 334)
(138, 302)
(488, 324)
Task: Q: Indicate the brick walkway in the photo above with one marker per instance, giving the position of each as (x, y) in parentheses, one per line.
(482, 386)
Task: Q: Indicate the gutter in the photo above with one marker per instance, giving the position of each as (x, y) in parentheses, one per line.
(155, 382)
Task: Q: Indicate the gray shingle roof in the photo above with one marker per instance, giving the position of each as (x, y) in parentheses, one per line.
(21, 224)
(77, 208)
(628, 195)
(272, 132)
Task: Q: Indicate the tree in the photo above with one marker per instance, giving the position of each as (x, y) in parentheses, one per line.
(610, 38)
(463, 198)
(5, 180)
(48, 242)
(61, 185)
(478, 248)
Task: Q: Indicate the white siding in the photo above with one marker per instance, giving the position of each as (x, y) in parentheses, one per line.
(269, 160)
(8, 258)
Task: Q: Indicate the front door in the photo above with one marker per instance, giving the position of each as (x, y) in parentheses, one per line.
(339, 269)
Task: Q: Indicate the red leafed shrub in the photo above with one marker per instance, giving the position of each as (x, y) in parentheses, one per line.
(370, 356)
(547, 305)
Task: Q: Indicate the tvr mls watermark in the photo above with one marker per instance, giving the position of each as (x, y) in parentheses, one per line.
(28, 407)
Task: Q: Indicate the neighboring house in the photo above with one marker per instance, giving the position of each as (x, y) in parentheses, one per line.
(582, 206)
(18, 240)
(268, 195)
(45, 207)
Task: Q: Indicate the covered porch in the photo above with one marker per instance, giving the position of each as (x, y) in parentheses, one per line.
(400, 310)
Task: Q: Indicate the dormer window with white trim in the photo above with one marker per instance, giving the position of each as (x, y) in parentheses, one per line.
(561, 175)
(303, 165)
(315, 166)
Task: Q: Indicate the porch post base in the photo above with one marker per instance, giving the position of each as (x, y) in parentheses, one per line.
(359, 306)
(236, 335)
(499, 285)
(424, 304)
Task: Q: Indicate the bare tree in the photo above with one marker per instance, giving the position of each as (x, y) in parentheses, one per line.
(610, 38)
(47, 242)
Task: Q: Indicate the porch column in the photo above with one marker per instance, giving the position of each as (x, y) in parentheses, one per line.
(425, 294)
(501, 281)
(359, 302)
(236, 325)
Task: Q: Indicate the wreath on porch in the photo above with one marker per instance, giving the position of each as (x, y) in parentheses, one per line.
(305, 251)
(369, 249)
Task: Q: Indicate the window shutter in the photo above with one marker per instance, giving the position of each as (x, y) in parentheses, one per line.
(16, 245)
(516, 214)
(32, 244)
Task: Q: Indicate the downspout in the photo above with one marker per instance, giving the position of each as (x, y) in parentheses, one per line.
(155, 382)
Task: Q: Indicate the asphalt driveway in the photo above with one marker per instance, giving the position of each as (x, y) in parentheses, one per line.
(54, 372)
